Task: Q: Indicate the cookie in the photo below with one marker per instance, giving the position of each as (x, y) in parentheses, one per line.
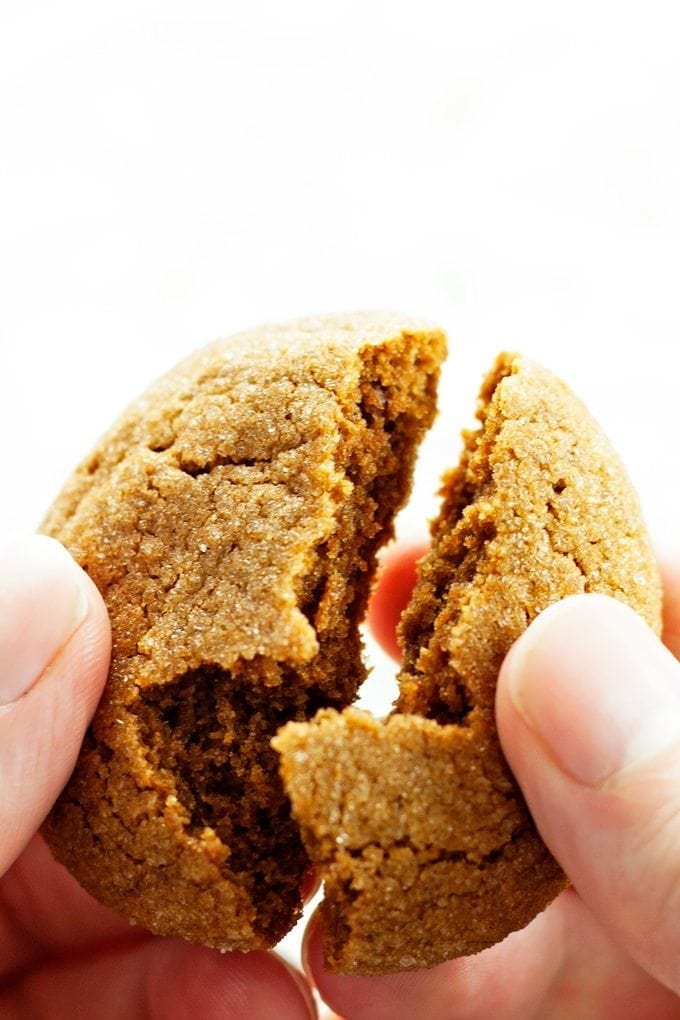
(231, 520)
(424, 841)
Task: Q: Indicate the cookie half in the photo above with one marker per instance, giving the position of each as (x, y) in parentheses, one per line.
(231, 520)
(424, 841)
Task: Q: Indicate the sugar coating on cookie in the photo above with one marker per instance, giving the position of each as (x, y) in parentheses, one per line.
(231, 520)
(423, 838)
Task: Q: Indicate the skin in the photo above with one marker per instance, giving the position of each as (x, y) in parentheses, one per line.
(62, 955)
(588, 710)
(605, 797)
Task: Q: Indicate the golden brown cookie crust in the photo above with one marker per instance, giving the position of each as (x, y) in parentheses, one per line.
(231, 520)
(424, 840)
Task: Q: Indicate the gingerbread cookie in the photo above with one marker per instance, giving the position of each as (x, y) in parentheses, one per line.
(231, 520)
(422, 836)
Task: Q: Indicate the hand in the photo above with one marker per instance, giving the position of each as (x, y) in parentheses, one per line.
(588, 710)
(62, 955)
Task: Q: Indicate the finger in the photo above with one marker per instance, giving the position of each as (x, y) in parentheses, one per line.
(596, 979)
(54, 652)
(396, 578)
(588, 709)
(506, 981)
(561, 966)
(311, 882)
(43, 911)
(670, 574)
(160, 979)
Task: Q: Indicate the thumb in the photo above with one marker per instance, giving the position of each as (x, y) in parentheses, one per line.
(54, 652)
(588, 708)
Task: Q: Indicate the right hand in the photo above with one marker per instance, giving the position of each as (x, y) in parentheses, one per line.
(588, 711)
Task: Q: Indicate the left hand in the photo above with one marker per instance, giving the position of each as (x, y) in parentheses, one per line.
(62, 955)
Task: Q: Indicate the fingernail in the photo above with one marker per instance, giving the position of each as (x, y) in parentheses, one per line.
(43, 601)
(596, 686)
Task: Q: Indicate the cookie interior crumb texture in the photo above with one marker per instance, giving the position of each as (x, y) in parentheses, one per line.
(231, 520)
(422, 836)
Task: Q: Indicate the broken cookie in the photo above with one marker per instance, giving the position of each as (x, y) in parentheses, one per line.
(231, 520)
(420, 832)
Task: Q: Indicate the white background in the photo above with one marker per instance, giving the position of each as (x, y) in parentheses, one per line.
(172, 171)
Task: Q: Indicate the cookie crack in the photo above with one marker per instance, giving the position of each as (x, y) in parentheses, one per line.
(434, 854)
(194, 468)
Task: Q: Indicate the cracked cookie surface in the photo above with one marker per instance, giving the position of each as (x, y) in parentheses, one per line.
(423, 838)
(231, 519)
